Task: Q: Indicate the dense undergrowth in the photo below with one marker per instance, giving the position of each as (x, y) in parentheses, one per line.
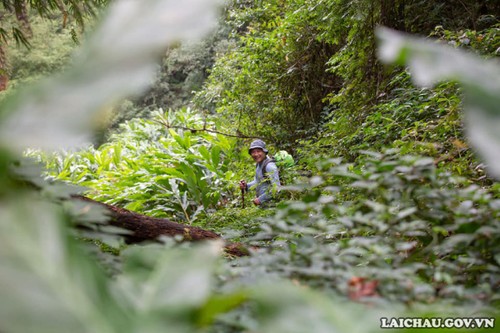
(156, 167)
(388, 206)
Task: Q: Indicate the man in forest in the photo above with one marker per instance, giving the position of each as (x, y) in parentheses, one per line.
(267, 180)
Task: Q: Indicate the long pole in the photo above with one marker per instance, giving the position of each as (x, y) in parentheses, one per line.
(243, 198)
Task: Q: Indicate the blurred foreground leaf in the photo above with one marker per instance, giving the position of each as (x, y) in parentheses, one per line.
(46, 283)
(118, 61)
(49, 284)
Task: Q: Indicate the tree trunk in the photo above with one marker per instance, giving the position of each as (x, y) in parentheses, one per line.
(4, 76)
(392, 14)
(22, 17)
(146, 228)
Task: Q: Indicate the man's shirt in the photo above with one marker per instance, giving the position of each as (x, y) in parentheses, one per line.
(266, 182)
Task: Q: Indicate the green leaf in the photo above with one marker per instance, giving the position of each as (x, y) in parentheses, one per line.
(117, 151)
(177, 138)
(219, 304)
(135, 205)
(204, 153)
(406, 212)
(215, 156)
(174, 172)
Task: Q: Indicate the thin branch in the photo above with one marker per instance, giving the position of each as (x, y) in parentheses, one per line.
(204, 129)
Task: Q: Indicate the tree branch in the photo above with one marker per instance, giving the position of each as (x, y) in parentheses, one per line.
(204, 129)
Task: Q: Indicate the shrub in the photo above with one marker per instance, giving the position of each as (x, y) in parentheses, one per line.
(416, 232)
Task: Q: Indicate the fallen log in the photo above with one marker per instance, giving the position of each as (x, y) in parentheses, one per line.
(147, 228)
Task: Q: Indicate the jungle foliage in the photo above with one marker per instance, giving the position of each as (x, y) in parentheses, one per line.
(50, 52)
(16, 23)
(392, 210)
(298, 65)
(157, 166)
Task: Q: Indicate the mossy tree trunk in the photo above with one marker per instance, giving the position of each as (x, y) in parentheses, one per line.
(147, 228)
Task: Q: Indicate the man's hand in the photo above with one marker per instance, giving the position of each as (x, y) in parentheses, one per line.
(243, 184)
(256, 201)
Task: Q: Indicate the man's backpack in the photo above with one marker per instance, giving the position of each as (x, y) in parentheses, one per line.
(283, 161)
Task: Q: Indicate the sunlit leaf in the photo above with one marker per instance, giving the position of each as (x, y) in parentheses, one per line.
(218, 304)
